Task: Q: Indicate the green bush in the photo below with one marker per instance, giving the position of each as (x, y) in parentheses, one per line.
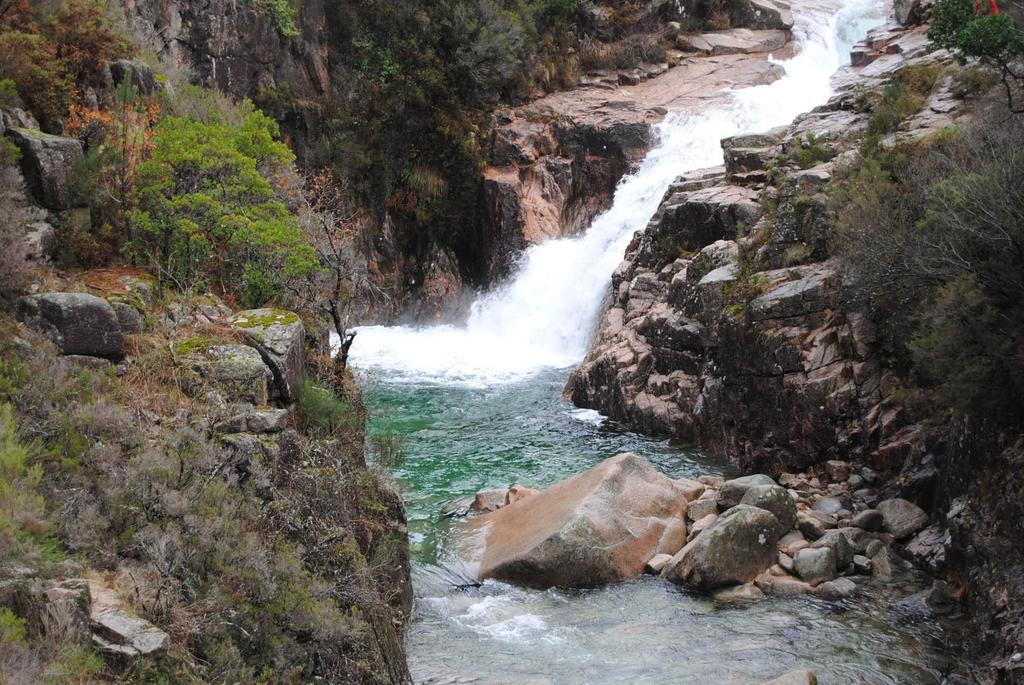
(323, 413)
(207, 212)
(903, 97)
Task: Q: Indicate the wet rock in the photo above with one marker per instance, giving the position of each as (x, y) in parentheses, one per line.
(77, 323)
(489, 500)
(861, 565)
(775, 499)
(118, 633)
(735, 549)
(280, 338)
(787, 587)
(902, 518)
(869, 519)
(732, 491)
(881, 564)
(598, 527)
(786, 562)
(738, 41)
(815, 565)
(656, 563)
(48, 164)
(518, 492)
(748, 592)
(840, 588)
(794, 678)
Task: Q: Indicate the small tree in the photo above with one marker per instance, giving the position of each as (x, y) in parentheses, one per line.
(993, 39)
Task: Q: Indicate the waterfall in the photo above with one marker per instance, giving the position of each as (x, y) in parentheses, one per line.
(544, 315)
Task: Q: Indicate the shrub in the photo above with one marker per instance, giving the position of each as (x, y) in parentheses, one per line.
(32, 64)
(904, 96)
(323, 413)
(207, 213)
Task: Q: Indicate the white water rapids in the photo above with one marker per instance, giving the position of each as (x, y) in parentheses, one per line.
(545, 314)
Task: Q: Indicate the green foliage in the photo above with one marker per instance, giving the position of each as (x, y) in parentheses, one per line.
(207, 211)
(902, 98)
(990, 38)
(321, 412)
(815, 151)
(23, 524)
(933, 238)
(281, 13)
(12, 627)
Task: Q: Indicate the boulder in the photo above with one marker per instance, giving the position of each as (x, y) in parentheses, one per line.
(236, 370)
(48, 164)
(813, 524)
(118, 633)
(794, 678)
(788, 587)
(775, 499)
(261, 421)
(140, 75)
(280, 338)
(815, 565)
(518, 492)
(700, 508)
(830, 505)
(732, 491)
(600, 526)
(911, 12)
(77, 323)
(128, 317)
(837, 541)
(700, 526)
(928, 549)
(735, 549)
(902, 518)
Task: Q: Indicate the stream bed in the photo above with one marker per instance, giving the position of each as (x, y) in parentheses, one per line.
(462, 438)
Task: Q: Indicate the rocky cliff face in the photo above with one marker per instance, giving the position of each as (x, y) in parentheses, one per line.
(728, 323)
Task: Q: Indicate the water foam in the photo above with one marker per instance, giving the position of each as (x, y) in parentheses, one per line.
(544, 315)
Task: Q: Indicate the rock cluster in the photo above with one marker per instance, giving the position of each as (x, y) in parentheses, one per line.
(741, 539)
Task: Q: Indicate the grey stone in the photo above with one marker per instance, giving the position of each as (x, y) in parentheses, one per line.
(813, 524)
(761, 14)
(816, 565)
(48, 164)
(829, 505)
(489, 500)
(128, 317)
(869, 519)
(855, 482)
(732, 491)
(77, 323)
(840, 545)
(941, 600)
(40, 242)
(236, 370)
(775, 499)
(280, 338)
(861, 565)
(735, 549)
(841, 588)
(117, 632)
(786, 562)
(140, 75)
(902, 518)
(928, 548)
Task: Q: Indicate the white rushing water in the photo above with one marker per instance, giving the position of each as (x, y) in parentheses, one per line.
(544, 315)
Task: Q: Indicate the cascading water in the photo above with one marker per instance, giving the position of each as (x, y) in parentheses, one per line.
(543, 316)
(480, 406)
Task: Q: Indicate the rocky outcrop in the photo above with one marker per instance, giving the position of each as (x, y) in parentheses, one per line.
(280, 338)
(237, 371)
(77, 323)
(730, 324)
(48, 164)
(600, 526)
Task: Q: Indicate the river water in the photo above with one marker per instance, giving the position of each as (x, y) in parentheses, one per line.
(480, 405)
